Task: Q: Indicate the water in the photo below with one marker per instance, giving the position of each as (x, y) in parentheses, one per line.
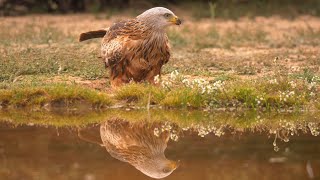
(171, 145)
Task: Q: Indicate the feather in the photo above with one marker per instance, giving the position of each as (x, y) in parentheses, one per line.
(92, 34)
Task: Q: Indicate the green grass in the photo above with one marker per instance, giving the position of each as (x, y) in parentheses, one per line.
(139, 94)
(41, 49)
(272, 94)
(183, 97)
(53, 94)
(51, 61)
(260, 95)
(307, 75)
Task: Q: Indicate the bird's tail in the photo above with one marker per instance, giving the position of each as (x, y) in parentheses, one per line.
(92, 34)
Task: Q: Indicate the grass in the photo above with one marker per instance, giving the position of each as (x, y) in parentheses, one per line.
(52, 60)
(236, 9)
(45, 49)
(178, 40)
(231, 37)
(175, 92)
(140, 93)
(53, 94)
(268, 94)
(183, 97)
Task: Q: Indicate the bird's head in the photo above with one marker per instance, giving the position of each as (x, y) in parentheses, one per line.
(159, 17)
(158, 168)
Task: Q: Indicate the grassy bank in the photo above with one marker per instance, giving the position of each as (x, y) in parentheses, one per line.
(266, 94)
(274, 93)
(53, 95)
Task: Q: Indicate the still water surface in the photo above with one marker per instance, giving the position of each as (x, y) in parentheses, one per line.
(119, 148)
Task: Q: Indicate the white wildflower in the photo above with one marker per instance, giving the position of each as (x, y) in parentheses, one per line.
(157, 79)
(218, 84)
(156, 132)
(186, 82)
(273, 81)
(174, 74)
(166, 84)
(174, 136)
(293, 84)
(311, 85)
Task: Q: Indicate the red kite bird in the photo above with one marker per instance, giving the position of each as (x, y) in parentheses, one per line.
(136, 49)
(136, 144)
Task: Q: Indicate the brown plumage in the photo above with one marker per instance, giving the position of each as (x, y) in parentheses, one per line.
(136, 144)
(136, 49)
(92, 34)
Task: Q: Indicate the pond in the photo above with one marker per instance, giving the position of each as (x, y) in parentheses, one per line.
(140, 144)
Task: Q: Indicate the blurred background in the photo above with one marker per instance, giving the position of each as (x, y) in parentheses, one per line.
(199, 9)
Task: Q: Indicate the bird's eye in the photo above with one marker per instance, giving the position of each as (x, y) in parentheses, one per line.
(166, 170)
(167, 15)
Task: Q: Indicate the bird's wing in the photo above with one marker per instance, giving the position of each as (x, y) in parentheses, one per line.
(120, 41)
(130, 155)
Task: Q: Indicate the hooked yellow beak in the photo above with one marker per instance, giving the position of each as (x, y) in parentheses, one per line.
(175, 20)
(174, 165)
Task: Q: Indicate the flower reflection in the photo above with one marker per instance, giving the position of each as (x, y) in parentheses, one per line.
(136, 144)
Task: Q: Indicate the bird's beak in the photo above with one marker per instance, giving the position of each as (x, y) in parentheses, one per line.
(175, 20)
(174, 165)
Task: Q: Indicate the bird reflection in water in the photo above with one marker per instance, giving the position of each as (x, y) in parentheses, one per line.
(136, 144)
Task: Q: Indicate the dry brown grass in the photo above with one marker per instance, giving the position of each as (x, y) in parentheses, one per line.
(239, 47)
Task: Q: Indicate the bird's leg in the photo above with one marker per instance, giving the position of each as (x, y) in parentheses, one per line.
(119, 80)
(151, 81)
(152, 74)
(116, 82)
